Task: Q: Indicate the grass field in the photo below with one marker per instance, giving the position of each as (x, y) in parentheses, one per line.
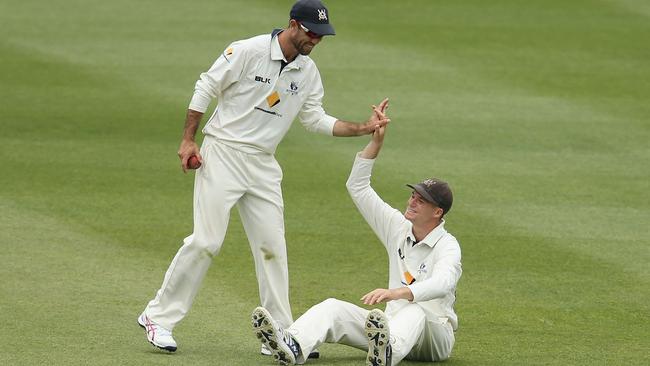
(537, 113)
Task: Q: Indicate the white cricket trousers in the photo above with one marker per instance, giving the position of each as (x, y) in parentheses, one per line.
(228, 177)
(412, 336)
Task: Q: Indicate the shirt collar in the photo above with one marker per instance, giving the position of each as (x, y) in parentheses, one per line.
(432, 237)
(276, 51)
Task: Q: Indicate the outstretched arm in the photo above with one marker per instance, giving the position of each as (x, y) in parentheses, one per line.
(377, 119)
(374, 146)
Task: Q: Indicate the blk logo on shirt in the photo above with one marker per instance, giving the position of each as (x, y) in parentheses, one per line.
(263, 80)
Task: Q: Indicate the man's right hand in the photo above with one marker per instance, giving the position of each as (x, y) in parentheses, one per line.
(187, 149)
(378, 118)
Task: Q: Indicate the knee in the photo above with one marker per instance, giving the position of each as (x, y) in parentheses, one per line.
(328, 310)
(330, 305)
(269, 252)
(203, 247)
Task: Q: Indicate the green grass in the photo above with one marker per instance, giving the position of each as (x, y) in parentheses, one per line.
(537, 113)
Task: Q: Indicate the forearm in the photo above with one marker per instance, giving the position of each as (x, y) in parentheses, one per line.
(192, 121)
(377, 119)
(402, 293)
(371, 150)
(444, 276)
(346, 129)
(384, 295)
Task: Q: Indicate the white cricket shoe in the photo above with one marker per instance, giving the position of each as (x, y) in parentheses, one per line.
(284, 348)
(157, 335)
(380, 352)
(267, 352)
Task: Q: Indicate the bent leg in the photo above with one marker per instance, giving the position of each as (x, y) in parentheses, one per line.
(331, 321)
(406, 330)
(436, 344)
(216, 189)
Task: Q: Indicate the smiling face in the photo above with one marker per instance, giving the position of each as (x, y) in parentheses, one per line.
(420, 211)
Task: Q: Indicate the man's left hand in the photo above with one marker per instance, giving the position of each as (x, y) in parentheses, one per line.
(378, 118)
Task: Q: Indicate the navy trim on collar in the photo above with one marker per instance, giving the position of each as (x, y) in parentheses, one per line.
(295, 64)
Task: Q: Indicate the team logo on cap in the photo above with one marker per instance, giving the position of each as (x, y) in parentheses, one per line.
(322, 14)
(429, 182)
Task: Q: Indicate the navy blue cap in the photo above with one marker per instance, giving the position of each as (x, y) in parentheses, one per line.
(313, 15)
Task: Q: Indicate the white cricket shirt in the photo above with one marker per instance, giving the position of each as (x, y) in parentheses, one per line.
(258, 100)
(430, 268)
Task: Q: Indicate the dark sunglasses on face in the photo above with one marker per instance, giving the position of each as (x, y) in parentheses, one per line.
(310, 34)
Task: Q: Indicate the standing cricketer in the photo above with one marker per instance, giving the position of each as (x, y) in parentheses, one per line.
(262, 84)
(424, 268)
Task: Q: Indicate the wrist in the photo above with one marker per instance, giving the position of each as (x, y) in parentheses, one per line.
(366, 128)
(404, 293)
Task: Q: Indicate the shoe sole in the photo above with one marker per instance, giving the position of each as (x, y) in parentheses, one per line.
(312, 355)
(164, 348)
(378, 338)
(265, 332)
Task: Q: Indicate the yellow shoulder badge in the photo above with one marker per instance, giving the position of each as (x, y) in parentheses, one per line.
(227, 53)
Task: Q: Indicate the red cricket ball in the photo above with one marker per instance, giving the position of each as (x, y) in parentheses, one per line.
(193, 162)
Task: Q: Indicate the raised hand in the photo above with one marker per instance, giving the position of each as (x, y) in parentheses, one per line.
(378, 115)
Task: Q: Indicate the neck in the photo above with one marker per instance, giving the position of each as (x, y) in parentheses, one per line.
(288, 50)
(421, 231)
